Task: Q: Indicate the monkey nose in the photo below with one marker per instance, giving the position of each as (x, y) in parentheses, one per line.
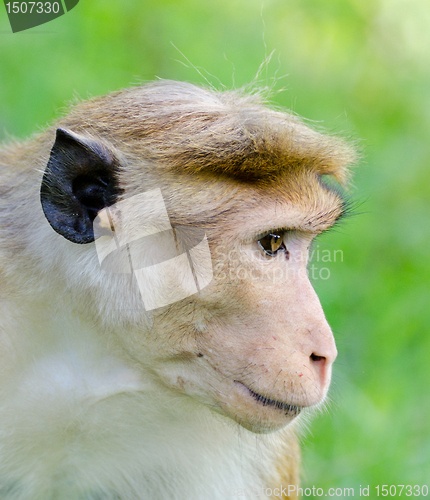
(324, 353)
(322, 365)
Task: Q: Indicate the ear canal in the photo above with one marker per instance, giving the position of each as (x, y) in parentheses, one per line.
(80, 179)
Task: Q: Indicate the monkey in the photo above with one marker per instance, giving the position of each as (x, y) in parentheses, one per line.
(159, 335)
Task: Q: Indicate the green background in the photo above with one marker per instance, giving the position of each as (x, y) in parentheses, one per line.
(359, 68)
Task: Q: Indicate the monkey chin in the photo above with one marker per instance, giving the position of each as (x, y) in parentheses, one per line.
(258, 413)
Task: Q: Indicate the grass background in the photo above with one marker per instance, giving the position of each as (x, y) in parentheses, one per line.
(356, 67)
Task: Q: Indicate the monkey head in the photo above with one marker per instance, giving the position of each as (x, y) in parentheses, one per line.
(185, 218)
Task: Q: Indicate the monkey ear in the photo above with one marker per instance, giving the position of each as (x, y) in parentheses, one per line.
(79, 180)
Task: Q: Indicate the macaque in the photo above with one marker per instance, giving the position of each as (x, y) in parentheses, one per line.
(159, 336)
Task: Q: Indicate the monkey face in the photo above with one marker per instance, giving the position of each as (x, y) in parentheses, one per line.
(258, 349)
(242, 330)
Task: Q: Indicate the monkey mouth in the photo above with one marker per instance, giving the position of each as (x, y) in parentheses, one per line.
(289, 409)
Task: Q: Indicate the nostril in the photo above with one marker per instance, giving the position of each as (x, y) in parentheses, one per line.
(321, 367)
(315, 357)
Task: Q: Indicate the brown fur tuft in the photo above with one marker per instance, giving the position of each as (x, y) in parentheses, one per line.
(189, 129)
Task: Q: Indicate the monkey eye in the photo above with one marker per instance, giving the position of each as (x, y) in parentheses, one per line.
(272, 243)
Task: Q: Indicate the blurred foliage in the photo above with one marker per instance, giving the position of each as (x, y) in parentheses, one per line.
(355, 67)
